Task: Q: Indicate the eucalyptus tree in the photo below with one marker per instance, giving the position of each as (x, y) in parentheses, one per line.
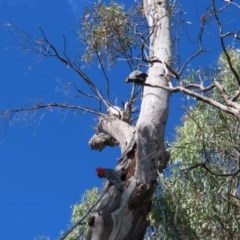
(201, 196)
(180, 218)
(123, 214)
(142, 37)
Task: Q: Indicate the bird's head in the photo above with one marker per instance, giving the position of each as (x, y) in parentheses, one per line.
(100, 172)
(137, 77)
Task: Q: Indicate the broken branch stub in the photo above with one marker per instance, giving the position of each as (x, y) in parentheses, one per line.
(100, 140)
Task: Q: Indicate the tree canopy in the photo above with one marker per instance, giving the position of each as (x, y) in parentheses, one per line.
(187, 188)
(198, 194)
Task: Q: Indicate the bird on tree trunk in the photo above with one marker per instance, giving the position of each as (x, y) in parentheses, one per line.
(111, 175)
(136, 77)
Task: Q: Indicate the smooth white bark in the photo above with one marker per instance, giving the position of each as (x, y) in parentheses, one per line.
(123, 215)
(154, 108)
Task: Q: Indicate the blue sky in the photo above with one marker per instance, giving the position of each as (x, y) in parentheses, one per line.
(46, 165)
(45, 162)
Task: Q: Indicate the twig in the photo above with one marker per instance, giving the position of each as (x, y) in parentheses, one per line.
(105, 75)
(203, 165)
(49, 106)
(79, 222)
(233, 109)
(222, 36)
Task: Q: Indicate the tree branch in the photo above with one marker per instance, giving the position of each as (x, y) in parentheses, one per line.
(39, 106)
(118, 129)
(232, 108)
(222, 36)
(203, 165)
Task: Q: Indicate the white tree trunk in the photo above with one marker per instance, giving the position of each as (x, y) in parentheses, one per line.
(123, 215)
(154, 108)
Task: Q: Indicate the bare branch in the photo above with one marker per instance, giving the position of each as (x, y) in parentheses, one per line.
(226, 98)
(80, 221)
(105, 75)
(71, 65)
(182, 233)
(170, 72)
(200, 48)
(100, 140)
(203, 165)
(200, 86)
(222, 36)
(39, 106)
(236, 96)
(80, 91)
(118, 129)
(232, 108)
(45, 48)
(198, 52)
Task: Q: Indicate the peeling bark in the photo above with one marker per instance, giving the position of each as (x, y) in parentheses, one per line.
(123, 215)
(117, 129)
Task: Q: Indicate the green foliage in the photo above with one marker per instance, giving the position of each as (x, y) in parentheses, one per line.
(108, 32)
(79, 210)
(200, 197)
(162, 217)
(207, 148)
(225, 76)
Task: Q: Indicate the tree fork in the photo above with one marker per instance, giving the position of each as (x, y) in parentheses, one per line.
(123, 214)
